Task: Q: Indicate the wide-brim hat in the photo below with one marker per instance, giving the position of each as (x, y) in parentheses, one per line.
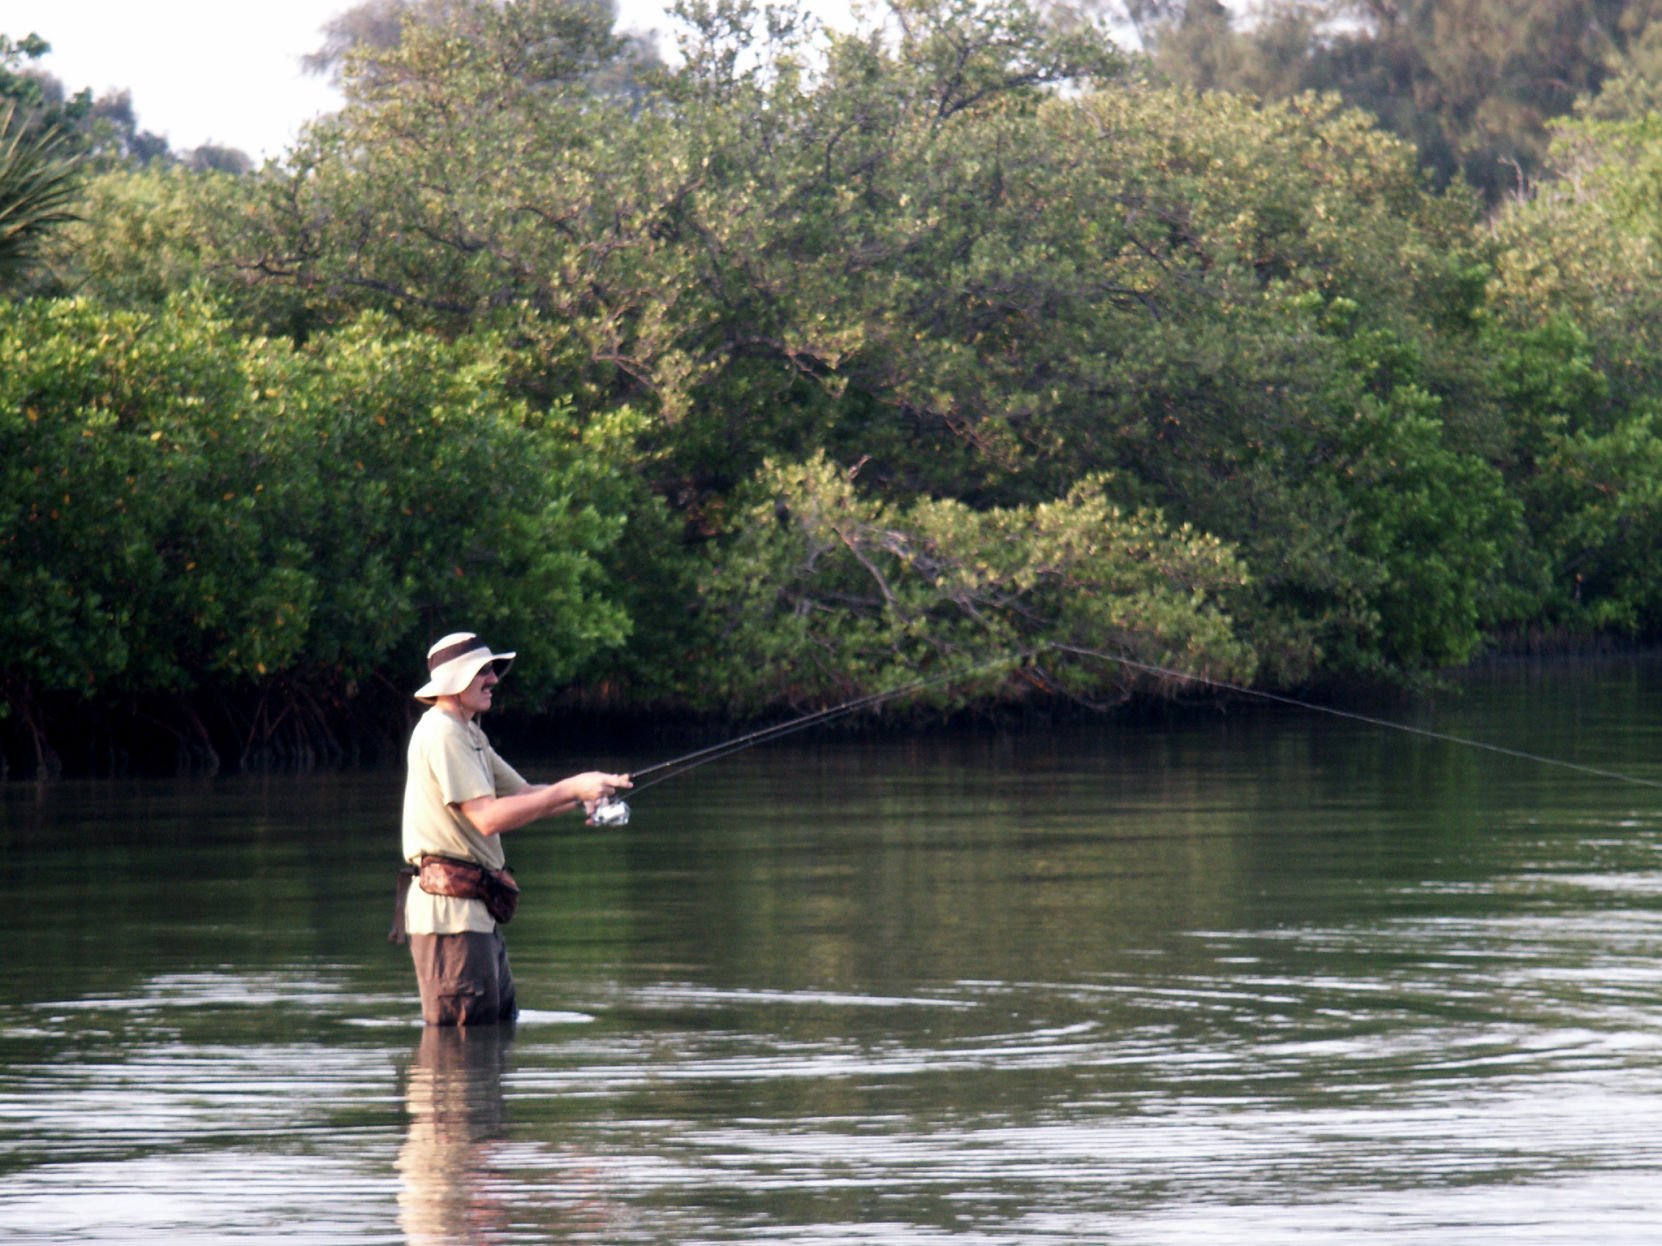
(452, 663)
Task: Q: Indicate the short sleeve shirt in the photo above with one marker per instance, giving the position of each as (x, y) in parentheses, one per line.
(450, 762)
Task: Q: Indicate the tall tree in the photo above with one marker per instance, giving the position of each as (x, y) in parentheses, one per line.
(39, 96)
(1474, 84)
(360, 43)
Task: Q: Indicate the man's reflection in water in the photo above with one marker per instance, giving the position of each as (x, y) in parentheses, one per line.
(454, 1096)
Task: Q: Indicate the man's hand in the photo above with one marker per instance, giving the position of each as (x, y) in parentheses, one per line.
(492, 815)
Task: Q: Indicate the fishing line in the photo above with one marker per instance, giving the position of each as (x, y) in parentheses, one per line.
(615, 812)
(1151, 669)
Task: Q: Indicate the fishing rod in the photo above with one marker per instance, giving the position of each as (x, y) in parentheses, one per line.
(1150, 668)
(613, 811)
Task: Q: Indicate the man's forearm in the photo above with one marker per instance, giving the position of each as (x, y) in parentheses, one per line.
(492, 815)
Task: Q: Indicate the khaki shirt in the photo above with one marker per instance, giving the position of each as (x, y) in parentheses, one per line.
(451, 762)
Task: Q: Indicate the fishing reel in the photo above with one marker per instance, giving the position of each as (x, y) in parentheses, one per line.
(609, 812)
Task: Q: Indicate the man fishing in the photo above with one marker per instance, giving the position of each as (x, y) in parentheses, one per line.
(459, 797)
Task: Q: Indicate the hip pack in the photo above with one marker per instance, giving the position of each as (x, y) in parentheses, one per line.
(468, 880)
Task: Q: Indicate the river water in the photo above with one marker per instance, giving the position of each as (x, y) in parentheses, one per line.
(1254, 977)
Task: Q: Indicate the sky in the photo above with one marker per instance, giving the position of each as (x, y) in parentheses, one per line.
(225, 72)
(200, 71)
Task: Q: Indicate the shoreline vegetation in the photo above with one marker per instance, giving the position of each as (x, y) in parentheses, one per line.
(313, 733)
(808, 366)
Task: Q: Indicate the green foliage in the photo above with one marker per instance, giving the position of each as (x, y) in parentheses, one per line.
(1433, 524)
(423, 497)
(145, 235)
(524, 286)
(1576, 293)
(1602, 496)
(822, 593)
(39, 178)
(1200, 294)
(919, 253)
(120, 443)
(196, 510)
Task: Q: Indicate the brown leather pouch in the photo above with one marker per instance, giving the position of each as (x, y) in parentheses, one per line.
(468, 880)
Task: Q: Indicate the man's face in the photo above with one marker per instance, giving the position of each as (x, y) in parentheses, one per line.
(476, 697)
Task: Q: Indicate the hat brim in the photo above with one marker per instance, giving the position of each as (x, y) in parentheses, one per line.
(455, 675)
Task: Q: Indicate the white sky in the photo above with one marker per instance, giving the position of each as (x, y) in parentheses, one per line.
(216, 71)
(202, 71)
